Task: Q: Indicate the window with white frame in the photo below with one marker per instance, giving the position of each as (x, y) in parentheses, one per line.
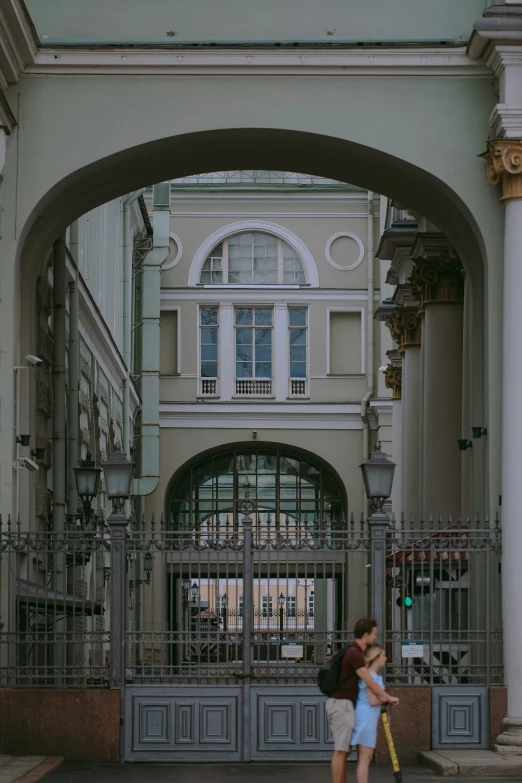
(267, 606)
(254, 327)
(311, 605)
(253, 258)
(291, 606)
(208, 347)
(240, 606)
(298, 349)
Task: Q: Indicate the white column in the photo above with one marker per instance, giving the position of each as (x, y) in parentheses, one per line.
(280, 352)
(440, 284)
(511, 448)
(411, 395)
(227, 352)
(503, 161)
(397, 498)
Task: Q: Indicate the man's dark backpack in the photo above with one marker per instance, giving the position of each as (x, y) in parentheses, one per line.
(329, 677)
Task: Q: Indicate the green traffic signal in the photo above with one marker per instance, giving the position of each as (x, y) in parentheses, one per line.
(406, 601)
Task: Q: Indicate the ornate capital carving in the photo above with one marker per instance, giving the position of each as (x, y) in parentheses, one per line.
(439, 279)
(406, 327)
(504, 164)
(393, 380)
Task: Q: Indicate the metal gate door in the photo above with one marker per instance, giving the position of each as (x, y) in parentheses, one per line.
(228, 624)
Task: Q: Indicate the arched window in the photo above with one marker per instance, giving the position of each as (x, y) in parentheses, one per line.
(252, 258)
(284, 488)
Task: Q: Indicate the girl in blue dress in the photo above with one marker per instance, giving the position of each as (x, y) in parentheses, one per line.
(367, 711)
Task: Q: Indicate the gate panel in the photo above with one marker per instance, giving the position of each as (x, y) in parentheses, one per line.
(166, 723)
(290, 724)
(460, 717)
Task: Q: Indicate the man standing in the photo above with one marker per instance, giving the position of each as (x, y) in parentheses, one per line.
(340, 708)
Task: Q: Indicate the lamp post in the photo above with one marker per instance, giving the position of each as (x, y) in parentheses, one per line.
(224, 611)
(281, 612)
(377, 475)
(117, 471)
(87, 476)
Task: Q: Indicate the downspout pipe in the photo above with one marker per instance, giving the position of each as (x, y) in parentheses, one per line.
(74, 376)
(370, 307)
(150, 344)
(128, 248)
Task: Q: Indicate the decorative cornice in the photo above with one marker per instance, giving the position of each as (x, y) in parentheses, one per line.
(7, 118)
(506, 121)
(18, 41)
(393, 380)
(504, 164)
(190, 61)
(406, 327)
(438, 280)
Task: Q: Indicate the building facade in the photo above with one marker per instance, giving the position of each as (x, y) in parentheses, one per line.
(219, 328)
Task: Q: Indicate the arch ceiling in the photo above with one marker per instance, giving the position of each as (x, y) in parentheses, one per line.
(179, 156)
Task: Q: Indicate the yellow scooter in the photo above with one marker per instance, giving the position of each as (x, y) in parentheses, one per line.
(391, 747)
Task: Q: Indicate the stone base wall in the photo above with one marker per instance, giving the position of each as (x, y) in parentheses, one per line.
(498, 710)
(80, 725)
(410, 723)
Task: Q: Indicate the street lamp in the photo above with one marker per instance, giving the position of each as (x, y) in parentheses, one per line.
(281, 612)
(194, 590)
(378, 481)
(377, 475)
(118, 471)
(224, 604)
(87, 476)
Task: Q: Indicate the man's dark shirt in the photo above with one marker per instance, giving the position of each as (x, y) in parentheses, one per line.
(352, 661)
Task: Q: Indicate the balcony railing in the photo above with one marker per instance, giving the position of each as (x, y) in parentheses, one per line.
(209, 387)
(298, 388)
(253, 388)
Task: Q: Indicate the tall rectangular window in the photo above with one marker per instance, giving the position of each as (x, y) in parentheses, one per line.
(291, 606)
(254, 342)
(240, 606)
(208, 320)
(267, 607)
(298, 339)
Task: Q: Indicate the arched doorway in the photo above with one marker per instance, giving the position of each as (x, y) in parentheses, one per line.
(285, 489)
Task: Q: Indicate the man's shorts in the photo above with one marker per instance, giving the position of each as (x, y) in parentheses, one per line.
(341, 717)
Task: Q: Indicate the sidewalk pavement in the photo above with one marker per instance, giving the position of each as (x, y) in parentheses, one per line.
(472, 763)
(234, 773)
(26, 769)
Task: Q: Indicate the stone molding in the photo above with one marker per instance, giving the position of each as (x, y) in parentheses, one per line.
(393, 380)
(504, 165)
(438, 280)
(406, 327)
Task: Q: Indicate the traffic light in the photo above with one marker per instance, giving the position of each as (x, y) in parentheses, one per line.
(405, 600)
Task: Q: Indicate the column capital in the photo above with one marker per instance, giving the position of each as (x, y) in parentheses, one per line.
(439, 279)
(406, 327)
(393, 380)
(504, 164)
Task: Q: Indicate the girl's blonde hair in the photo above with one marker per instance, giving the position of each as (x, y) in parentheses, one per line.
(372, 653)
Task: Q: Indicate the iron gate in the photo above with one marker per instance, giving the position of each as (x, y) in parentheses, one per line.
(228, 630)
(214, 633)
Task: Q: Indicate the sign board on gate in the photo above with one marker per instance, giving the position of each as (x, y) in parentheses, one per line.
(291, 651)
(412, 650)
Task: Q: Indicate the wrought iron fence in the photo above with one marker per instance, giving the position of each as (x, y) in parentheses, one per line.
(444, 615)
(263, 600)
(53, 595)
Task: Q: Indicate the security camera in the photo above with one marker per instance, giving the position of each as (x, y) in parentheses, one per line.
(25, 462)
(34, 360)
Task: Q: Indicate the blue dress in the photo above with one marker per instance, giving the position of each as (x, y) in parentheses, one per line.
(366, 717)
